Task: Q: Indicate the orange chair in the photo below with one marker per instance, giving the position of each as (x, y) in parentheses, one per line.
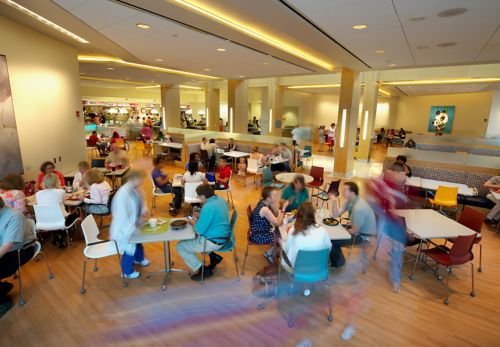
(460, 253)
(317, 173)
(445, 197)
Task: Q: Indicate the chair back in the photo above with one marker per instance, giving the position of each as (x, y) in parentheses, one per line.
(311, 266)
(156, 190)
(444, 193)
(308, 148)
(120, 142)
(267, 174)
(98, 163)
(461, 251)
(472, 219)
(228, 246)
(204, 155)
(49, 217)
(253, 165)
(317, 173)
(249, 216)
(334, 187)
(190, 195)
(90, 230)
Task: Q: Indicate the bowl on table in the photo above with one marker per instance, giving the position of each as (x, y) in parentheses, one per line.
(331, 222)
(178, 224)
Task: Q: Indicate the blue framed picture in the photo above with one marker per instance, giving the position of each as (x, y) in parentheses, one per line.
(441, 119)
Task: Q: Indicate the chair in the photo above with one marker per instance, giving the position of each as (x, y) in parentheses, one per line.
(460, 253)
(110, 198)
(268, 179)
(157, 192)
(317, 173)
(307, 155)
(323, 193)
(253, 168)
(38, 250)
(190, 196)
(228, 190)
(445, 196)
(229, 246)
(96, 248)
(98, 163)
(473, 219)
(51, 218)
(310, 267)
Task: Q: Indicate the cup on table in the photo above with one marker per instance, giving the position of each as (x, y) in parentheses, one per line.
(152, 222)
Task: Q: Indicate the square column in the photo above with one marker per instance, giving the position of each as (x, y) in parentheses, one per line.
(212, 107)
(272, 110)
(345, 139)
(237, 104)
(170, 106)
(368, 114)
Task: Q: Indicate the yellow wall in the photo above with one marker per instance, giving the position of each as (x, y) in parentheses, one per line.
(471, 109)
(45, 85)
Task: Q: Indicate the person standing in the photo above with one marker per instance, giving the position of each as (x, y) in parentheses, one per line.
(127, 210)
(331, 134)
(321, 137)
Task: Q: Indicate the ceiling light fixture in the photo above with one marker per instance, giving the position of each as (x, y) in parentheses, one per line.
(190, 87)
(44, 21)
(110, 68)
(159, 59)
(386, 93)
(102, 59)
(446, 81)
(222, 17)
(392, 65)
(266, 63)
(314, 86)
(380, 51)
(241, 76)
(360, 26)
(114, 80)
(206, 69)
(143, 26)
(221, 49)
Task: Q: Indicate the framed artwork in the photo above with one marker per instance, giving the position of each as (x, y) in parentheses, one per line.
(441, 119)
(10, 152)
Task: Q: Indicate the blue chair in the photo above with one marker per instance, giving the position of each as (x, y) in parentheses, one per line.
(229, 246)
(268, 179)
(307, 154)
(310, 267)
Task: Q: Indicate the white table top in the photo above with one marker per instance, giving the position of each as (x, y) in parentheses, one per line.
(236, 154)
(337, 232)
(171, 235)
(433, 185)
(276, 161)
(170, 144)
(413, 182)
(107, 172)
(177, 181)
(287, 177)
(429, 224)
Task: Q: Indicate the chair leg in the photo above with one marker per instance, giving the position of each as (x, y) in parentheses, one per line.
(244, 260)
(480, 268)
(447, 288)
(95, 265)
(67, 236)
(290, 318)
(473, 292)
(330, 315)
(21, 297)
(51, 275)
(235, 256)
(82, 289)
(379, 239)
(153, 205)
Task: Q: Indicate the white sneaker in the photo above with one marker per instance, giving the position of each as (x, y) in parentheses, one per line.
(143, 263)
(132, 276)
(348, 333)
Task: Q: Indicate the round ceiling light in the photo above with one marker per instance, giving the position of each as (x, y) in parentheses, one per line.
(446, 44)
(143, 26)
(452, 12)
(380, 51)
(158, 59)
(360, 26)
(221, 49)
(392, 65)
(206, 69)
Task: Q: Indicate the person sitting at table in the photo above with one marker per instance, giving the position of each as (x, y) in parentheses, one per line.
(361, 216)
(304, 235)
(402, 134)
(223, 175)
(295, 193)
(231, 146)
(212, 229)
(162, 181)
(402, 160)
(99, 190)
(46, 168)
(52, 194)
(128, 210)
(410, 144)
(83, 167)
(162, 137)
(265, 217)
(114, 137)
(193, 174)
(242, 167)
(256, 155)
(93, 139)
(117, 157)
(193, 156)
(12, 192)
(493, 217)
(15, 234)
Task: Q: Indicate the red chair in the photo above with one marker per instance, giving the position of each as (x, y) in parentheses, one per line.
(460, 253)
(473, 219)
(317, 174)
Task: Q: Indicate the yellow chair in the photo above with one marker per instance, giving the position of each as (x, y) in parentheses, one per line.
(445, 196)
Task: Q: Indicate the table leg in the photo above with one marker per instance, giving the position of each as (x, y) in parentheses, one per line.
(412, 275)
(168, 266)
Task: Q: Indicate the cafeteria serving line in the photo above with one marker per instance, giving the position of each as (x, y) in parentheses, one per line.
(191, 173)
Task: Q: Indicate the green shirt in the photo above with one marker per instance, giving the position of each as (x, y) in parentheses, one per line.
(295, 198)
(213, 223)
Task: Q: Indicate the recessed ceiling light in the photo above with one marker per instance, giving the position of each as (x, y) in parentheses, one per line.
(266, 63)
(380, 51)
(360, 26)
(82, 73)
(417, 19)
(242, 76)
(110, 68)
(143, 26)
(221, 49)
(446, 44)
(422, 47)
(392, 65)
(158, 59)
(452, 12)
(206, 69)
(152, 81)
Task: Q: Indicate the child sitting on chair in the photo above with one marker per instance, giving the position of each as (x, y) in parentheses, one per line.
(242, 167)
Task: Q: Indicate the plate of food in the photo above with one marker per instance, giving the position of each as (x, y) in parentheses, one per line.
(178, 224)
(330, 222)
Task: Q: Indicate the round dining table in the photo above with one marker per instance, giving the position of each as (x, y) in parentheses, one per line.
(287, 177)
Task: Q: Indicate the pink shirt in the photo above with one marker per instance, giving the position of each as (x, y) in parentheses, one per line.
(15, 199)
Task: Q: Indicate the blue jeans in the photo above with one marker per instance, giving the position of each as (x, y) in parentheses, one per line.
(177, 191)
(128, 260)
(395, 229)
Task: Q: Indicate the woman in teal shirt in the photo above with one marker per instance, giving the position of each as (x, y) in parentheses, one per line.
(295, 193)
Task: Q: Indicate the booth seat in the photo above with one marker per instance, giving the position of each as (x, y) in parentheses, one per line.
(493, 152)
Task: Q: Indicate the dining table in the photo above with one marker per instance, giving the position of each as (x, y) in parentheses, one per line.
(287, 177)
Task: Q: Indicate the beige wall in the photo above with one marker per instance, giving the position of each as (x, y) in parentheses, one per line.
(45, 85)
(470, 111)
(304, 101)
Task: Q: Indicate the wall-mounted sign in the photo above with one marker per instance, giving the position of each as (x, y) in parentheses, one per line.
(277, 124)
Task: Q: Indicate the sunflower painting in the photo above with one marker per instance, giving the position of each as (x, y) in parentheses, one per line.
(441, 119)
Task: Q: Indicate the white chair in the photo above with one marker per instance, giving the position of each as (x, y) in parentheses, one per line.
(51, 218)
(157, 192)
(38, 250)
(96, 248)
(190, 196)
(253, 168)
(228, 190)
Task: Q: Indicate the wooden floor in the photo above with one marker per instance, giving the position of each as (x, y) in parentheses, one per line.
(222, 312)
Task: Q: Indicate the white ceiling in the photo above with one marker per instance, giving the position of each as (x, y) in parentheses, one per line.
(476, 32)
